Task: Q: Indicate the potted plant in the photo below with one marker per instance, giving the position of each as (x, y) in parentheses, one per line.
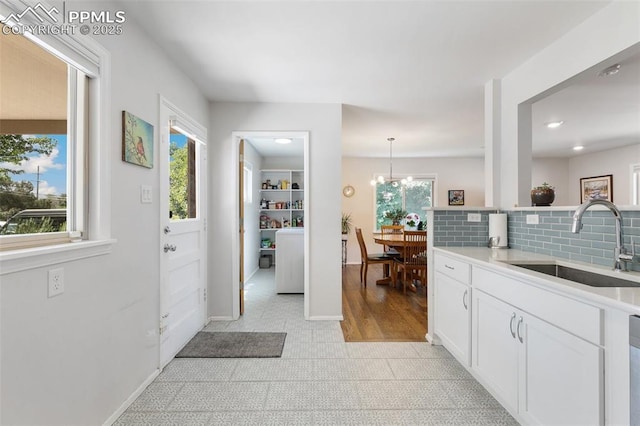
(396, 215)
(346, 223)
(543, 195)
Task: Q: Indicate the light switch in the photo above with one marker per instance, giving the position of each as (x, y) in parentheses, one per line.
(146, 194)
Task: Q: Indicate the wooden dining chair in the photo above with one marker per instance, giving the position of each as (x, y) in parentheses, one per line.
(366, 259)
(413, 260)
(390, 229)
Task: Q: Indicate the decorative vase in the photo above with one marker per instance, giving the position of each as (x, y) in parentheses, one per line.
(541, 197)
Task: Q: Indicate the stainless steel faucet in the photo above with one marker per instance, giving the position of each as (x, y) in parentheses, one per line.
(620, 255)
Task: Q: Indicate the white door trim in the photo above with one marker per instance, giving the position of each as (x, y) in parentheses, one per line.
(235, 242)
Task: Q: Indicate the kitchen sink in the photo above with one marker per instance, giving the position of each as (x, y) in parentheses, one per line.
(577, 275)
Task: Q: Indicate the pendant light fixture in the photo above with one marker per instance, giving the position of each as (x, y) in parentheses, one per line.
(391, 181)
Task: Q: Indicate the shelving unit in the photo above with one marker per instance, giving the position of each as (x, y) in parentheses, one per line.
(281, 206)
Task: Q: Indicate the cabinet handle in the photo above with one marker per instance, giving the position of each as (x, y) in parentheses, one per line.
(520, 335)
(464, 300)
(513, 331)
(449, 267)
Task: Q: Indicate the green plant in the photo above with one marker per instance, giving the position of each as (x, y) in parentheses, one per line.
(544, 187)
(346, 223)
(396, 215)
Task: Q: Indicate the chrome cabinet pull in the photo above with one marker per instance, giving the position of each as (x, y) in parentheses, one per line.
(167, 229)
(464, 300)
(513, 331)
(169, 247)
(520, 320)
(449, 267)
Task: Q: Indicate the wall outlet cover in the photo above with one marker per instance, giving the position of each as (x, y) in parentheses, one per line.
(533, 219)
(55, 282)
(474, 217)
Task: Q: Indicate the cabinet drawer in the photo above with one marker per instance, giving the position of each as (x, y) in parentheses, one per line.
(456, 269)
(571, 315)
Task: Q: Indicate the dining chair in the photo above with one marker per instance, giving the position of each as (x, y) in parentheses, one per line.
(413, 259)
(390, 229)
(366, 259)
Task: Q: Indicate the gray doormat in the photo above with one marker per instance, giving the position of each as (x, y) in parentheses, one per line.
(208, 344)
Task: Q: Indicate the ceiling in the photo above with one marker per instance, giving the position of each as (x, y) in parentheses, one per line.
(413, 70)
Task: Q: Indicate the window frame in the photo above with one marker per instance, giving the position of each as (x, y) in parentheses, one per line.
(420, 177)
(93, 187)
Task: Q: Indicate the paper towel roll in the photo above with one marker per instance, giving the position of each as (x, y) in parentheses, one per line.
(498, 229)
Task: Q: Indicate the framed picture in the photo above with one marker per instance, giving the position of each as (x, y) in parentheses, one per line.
(137, 141)
(597, 187)
(456, 197)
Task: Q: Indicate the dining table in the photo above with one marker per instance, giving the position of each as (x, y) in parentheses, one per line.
(396, 244)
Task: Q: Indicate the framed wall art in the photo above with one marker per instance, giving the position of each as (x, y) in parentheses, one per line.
(456, 197)
(596, 187)
(137, 141)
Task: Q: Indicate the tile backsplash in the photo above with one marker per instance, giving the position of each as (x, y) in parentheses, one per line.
(551, 236)
(452, 229)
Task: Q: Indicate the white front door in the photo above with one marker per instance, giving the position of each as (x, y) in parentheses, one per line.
(183, 242)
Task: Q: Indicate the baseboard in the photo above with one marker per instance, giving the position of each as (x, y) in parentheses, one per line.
(225, 318)
(251, 274)
(112, 419)
(327, 318)
(434, 340)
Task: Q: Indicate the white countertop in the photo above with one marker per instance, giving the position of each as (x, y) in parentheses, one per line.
(624, 298)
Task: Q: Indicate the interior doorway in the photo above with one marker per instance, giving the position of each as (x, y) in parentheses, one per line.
(259, 158)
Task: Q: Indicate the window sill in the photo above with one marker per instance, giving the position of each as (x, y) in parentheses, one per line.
(31, 258)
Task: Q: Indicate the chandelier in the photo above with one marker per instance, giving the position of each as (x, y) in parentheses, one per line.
(391, 181)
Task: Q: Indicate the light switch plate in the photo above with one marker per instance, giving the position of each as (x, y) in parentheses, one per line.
(533, 219)
(145, 194)
(474, 217)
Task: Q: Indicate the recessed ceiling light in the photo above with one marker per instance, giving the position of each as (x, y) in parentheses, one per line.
(283, 141)
(554, 124)
(578, 148)
(613, 69)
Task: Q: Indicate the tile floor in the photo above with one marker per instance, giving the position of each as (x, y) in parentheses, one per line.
(319, 380)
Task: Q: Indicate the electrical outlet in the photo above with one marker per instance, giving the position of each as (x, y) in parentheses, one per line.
(56, 282)
(474, 217)
(533, 219)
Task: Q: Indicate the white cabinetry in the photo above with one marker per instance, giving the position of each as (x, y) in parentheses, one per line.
(452, 306)
(546, 374)
(281, 204)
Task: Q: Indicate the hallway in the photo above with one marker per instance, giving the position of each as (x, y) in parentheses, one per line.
(320, 379)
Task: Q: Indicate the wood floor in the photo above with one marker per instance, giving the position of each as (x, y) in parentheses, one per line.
(381, 313)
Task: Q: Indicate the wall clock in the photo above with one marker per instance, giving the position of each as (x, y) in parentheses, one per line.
(348, 191)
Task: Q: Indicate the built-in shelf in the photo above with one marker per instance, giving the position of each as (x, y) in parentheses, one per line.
(272, 218)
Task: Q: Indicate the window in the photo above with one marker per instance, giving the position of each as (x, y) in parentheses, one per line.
(42, 136)
(183, 200)
(411, 197)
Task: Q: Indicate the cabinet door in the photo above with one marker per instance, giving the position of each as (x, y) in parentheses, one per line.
(452, 316)
(494, 348)
(561, 378)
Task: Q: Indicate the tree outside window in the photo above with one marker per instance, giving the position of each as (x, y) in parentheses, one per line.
(411, 197)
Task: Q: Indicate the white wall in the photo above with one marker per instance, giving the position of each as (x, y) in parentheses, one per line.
(252, 213)
(608, 32)
(452, 173)
(324, 124)
(616, 162)
(75, 358)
